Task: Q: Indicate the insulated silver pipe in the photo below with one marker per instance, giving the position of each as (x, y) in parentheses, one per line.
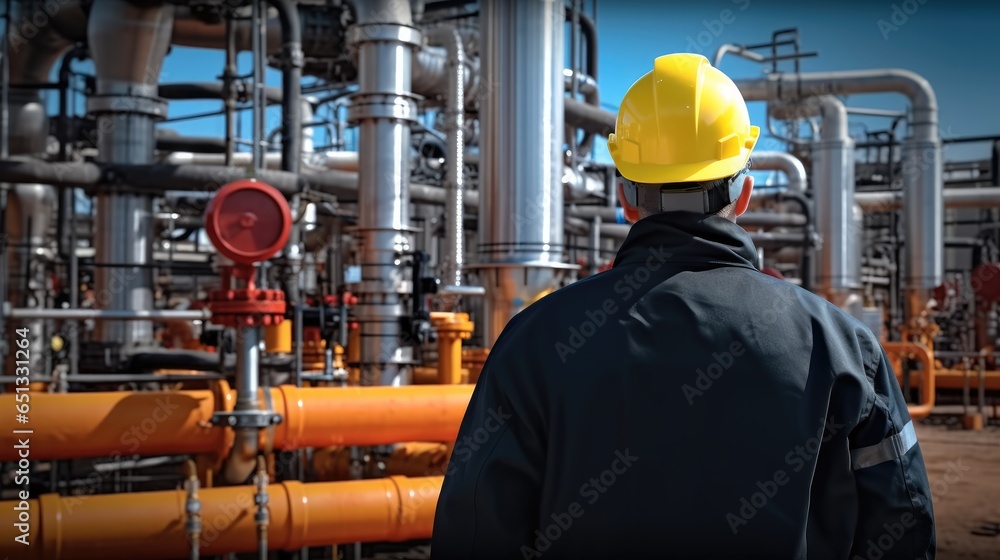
(111, 314)
(781, 161)
(887, 201)
(247, 367)
(737, 50)
(840, 260)
(127, 108)
(521, 213)
(383, 107)
(922, 164)
(453, 252)
(31, 207)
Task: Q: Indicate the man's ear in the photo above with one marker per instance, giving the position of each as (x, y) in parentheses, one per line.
(744, 199)
(631, 212)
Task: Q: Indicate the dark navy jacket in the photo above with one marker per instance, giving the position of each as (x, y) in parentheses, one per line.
(685, 405)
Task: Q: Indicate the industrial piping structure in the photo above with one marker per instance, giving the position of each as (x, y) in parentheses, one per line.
(241, 346)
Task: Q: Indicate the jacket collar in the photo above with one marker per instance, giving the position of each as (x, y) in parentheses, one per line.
(689, 238)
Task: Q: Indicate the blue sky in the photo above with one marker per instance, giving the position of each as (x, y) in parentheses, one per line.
(952, 44)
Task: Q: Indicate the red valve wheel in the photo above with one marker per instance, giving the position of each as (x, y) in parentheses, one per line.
(248, 221)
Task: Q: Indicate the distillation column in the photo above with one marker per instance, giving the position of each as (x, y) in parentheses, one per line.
(128, 42)
(384, 107)
(521, 193)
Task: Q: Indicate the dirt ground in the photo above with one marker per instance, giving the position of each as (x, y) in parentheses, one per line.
(964, 472)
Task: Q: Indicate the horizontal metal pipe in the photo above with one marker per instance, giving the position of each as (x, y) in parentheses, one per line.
(785, 162)
(313, 164)
(208, 90)
(589, 118)
(124, 526)
(158, 178)
(885, 201)
(111, 314)
(113, 424)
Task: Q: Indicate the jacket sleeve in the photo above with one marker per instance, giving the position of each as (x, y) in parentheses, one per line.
(489, 502)
(895, 515)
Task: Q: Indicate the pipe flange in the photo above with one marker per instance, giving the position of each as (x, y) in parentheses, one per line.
(247, 419)
(127, 104)
(250, 308)
(384, 32)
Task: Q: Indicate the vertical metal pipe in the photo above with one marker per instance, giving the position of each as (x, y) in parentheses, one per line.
(923, 206)
(127, 108)
(5, 87)
(229, 95)
(240, 463)
(453, 253)
(834, 193)
(383, 107)
(262, 517)
(292, 62)
(258, 44)
(574, 48)
(521, 198)
(247, 367)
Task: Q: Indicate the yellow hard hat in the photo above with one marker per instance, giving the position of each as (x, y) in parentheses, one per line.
(683, 122)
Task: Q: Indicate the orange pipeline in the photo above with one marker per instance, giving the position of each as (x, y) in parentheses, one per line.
(150, 525)
(79, 425)
(896, 351)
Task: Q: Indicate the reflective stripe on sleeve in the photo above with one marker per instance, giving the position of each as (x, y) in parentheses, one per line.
(889, 449)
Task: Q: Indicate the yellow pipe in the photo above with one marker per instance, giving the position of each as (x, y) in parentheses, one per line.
(896, 352)
(452, 328)
(407, 459)
(150, 525)
(78, 425)
(278, 338)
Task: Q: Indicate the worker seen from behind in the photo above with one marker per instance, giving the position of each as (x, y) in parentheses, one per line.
(683, 404)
